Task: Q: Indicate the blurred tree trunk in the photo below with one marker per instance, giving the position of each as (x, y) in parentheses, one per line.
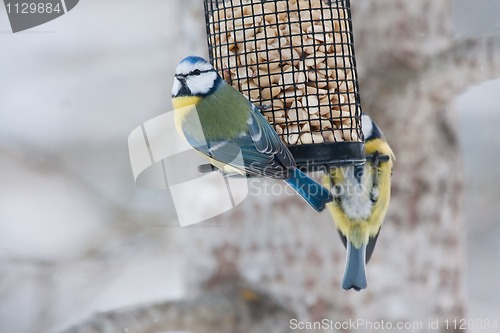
(282, 252)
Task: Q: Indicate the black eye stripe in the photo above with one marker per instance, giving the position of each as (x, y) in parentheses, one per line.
(197, 72)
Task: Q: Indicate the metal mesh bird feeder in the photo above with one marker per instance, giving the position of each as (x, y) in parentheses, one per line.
(295, 60)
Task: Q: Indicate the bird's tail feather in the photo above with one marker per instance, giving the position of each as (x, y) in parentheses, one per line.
(315, 194)
(355, 268)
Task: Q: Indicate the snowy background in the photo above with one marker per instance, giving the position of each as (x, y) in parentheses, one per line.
(76, 234)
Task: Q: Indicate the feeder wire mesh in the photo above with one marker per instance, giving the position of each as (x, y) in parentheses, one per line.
(295, 60)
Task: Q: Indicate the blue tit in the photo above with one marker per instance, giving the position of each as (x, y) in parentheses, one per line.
(361, 199)
(220, 122)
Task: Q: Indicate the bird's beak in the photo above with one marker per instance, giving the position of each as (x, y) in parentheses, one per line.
(181, 78)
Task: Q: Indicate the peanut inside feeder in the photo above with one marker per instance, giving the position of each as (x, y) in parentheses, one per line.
(294, 59)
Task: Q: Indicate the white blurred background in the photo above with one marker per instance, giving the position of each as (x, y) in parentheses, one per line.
(76, 234)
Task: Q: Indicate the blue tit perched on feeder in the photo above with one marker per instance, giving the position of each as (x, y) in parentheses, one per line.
(220, 122)
(361, 199)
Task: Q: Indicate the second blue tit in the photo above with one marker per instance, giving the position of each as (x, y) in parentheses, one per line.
(220, 122)
(361, 199)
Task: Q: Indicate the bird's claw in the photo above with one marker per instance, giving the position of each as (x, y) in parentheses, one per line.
(264, 107)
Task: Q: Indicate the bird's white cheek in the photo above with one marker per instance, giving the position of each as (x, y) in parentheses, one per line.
(201, 84)
(366, 124)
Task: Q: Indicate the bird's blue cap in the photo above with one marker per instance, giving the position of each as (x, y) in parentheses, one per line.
(194, 60)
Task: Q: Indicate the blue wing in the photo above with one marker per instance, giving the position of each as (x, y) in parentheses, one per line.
(266, 139)
(257, 152)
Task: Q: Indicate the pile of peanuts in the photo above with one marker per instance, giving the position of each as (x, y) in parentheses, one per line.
(293, 58)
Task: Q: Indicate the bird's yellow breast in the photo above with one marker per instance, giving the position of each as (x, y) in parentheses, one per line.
(355, 227)
(183, 107)
(381, 146)
(183, 101)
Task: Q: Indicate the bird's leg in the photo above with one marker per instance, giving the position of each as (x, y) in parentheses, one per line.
(264, 107)
(375, 184)
(206, 168)
(376, 159)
